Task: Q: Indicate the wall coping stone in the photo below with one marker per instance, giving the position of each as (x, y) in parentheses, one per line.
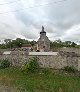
(43, 53)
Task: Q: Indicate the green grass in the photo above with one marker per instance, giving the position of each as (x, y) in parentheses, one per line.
(38, 82)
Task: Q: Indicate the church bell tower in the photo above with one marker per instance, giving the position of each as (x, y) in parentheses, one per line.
(43, 42)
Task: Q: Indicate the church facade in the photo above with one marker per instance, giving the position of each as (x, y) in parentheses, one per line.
(43, 41)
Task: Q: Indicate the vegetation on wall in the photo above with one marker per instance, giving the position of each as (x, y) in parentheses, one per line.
(31, 65)
(70, 69)
(4, 64)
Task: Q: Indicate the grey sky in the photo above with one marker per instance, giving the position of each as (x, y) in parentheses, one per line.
(61, 19)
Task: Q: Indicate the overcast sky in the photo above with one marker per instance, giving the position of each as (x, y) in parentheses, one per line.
(24, 18)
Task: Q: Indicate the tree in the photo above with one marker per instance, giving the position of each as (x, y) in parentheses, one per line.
(59, 43)
(18, 42)
(8, 43)
(73, 44)
(3, 46)
(7, 40)
(67, 43)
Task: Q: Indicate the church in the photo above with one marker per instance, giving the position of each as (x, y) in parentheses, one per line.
(43, 42)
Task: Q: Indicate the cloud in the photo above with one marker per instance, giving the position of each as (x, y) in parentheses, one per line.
(61, 19)
(72, 34)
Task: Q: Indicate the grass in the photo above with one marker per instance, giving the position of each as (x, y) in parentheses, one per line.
(13, 78)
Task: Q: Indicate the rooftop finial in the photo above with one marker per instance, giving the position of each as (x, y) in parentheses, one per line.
(42, 29)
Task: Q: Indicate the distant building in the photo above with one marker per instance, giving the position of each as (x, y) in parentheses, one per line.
(26, 47)
(43, 42)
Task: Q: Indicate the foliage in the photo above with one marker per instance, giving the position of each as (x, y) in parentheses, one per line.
(18, 42)
(45, 71)
(36, 82)
(4, 63)
(3, 46)
(70, 69)
(59, 43)
(31, 65)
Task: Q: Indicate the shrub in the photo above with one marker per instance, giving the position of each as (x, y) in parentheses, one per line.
(70, 69)
(32, 65)
(4, 63)
(25, 68)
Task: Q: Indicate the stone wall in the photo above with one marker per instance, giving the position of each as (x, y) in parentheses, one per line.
(66, 49)
(17, 58)
(58, 61)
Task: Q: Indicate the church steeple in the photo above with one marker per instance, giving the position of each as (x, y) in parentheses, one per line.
(43, 42)
(42, 31)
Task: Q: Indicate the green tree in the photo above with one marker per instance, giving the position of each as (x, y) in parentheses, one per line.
(73, 44)
(17, 43)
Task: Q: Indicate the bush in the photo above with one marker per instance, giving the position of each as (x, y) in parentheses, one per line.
(4, 63)
(70, 69)
(25, 68)
(31, 66)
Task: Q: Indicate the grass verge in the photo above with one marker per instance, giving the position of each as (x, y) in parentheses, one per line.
(38, 81)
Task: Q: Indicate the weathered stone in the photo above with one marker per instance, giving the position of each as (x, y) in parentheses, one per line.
(43, 42)
(59, 61)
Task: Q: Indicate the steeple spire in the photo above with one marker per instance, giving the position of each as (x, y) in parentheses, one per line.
(42, 31)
